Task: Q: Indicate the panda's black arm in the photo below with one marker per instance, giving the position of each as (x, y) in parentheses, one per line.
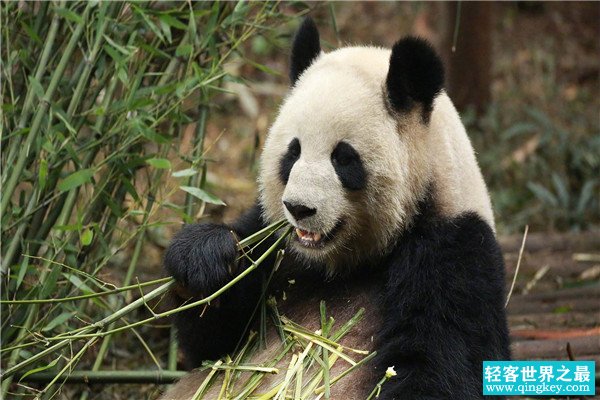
(202, 258)
(444, 310)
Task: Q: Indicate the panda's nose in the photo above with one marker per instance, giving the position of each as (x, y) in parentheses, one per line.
(299, 211)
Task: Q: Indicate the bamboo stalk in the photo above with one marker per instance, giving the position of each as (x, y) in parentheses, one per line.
(184, 307)
(88, 296)
(48, 219)
(325, 333)
(90, 60)
(66, 340)
(84, 333)
(346, 372)
(37, 121)
(69, 202)
(128, 275)
(15, 242)
(195, 181)
(68, 365)
(15, 147)
(202, 388)
(108, 377)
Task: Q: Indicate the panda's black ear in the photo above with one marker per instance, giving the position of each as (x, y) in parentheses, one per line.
(305, 49)
(416, 75)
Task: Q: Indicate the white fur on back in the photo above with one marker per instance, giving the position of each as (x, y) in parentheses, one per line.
(456, 172)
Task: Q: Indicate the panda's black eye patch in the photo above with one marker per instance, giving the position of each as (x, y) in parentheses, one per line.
(288, 160)
(348, 166)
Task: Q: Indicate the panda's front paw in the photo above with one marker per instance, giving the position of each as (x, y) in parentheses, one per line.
(202, 257)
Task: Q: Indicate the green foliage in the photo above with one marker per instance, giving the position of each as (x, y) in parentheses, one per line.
(539, 172)
(94, 98)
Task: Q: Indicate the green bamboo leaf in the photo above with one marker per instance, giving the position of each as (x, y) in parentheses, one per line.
(114, 54)
(76, 179)
(40, 369)
(122, 75)
(137, 212)
(149, 22)
(43, 173)
(263, 68)
(49, 283)
(63, 117)
(178, 210)
(172, 21)
(147, 132)
(78, 283)
(139, 103)
(130, 188)
(86, 237)
(192, 29)
(34, 36)
(166, 28)
(159, 163)
(69, 15)
(165, 89)
(114, 207)
(37, 88)
(561, 190)
(519, 129)
(203, 195)
(154, 51)
(543, 194)
(8, 108)
(184, 172)
(48, 146)
(184, 50)
(585, 196)
(23, 268)
(67, 228)
(59, 320)
(127, 51)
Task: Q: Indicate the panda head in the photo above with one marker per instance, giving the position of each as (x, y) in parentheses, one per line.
(345, 162)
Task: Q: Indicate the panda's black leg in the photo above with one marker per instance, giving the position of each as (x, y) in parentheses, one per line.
(444, 310)
(202, 258)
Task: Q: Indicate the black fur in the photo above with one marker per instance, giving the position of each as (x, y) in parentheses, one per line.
(288, 160)
(201, 257)
(416, 75)
(305, 50)
(443, 304)
(444, 307)
(443, 298)
(349, 167)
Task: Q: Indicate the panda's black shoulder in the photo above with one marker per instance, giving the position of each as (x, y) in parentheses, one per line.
(463, 237)
(458, 255)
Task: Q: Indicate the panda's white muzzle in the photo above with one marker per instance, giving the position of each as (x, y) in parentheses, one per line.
(313, 201)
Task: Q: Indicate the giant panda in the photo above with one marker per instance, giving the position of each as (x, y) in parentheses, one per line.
(369, 162)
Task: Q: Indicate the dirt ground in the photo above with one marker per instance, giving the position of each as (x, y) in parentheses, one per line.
(554, 312)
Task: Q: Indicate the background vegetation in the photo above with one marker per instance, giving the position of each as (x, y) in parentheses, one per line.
(97, 99)
(121, 120)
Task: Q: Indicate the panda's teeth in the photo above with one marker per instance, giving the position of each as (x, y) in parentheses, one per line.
(308, 236)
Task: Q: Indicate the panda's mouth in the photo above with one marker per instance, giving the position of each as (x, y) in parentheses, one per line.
(316, 239)
(309, 239)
